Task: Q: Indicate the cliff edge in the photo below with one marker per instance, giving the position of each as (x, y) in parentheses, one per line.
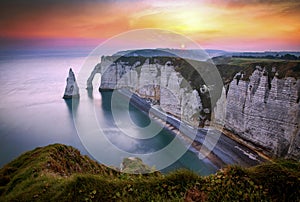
(60, 173)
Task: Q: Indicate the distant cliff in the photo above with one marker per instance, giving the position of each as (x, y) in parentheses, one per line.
(155, 80)
(264, 110)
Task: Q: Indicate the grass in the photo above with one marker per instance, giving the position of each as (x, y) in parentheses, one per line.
(278, 181)
(59, 173)
(249, 61)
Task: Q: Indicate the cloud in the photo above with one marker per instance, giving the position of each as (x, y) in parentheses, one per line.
(250, 2)
(206, 20)
(63, 19)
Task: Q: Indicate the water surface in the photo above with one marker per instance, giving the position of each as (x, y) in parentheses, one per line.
(33, 113)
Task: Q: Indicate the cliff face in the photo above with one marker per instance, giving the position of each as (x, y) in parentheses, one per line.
(264, 111)
(155, 81)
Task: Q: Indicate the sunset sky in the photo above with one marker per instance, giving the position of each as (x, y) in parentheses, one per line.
(253, 25)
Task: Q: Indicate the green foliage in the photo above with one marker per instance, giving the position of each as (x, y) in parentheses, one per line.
(59, 173)
(135, 165)
(278, 181)
(232, 184)
(285, 68)
(281, 179)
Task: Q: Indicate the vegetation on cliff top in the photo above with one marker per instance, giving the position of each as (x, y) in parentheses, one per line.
(59, 173)
(227, 66)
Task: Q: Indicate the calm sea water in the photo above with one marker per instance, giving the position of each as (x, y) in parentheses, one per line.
(33, 113)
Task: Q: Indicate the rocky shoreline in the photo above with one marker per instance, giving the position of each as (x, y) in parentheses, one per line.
(227, 151)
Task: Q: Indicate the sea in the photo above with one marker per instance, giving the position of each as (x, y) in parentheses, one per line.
(33, 114)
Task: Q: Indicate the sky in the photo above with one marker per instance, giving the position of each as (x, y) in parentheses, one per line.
(236, 25)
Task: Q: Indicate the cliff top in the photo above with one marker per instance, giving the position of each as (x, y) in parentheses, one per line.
(229, 66)
(60, 173)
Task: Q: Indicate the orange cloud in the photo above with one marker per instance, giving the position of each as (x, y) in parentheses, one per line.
(208, 21)
(84, 20)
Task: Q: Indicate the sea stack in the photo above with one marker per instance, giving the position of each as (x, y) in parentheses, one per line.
(72, 90)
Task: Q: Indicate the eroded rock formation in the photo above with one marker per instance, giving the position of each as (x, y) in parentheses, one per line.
(71, 90)
(264, 111)
(158, 82)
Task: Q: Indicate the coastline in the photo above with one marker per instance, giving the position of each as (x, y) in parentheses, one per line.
(172, 125)
(234, 137)
(226, 151)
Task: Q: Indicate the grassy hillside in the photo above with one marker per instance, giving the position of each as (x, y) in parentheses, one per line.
(59, 173)
(228, 67)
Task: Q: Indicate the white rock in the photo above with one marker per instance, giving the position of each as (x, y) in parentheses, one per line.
(160, 83)
(269, 118)
(71, 90)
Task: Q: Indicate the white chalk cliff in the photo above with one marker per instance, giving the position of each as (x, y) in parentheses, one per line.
(160, 83)
(71, 90)
(264, 112)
